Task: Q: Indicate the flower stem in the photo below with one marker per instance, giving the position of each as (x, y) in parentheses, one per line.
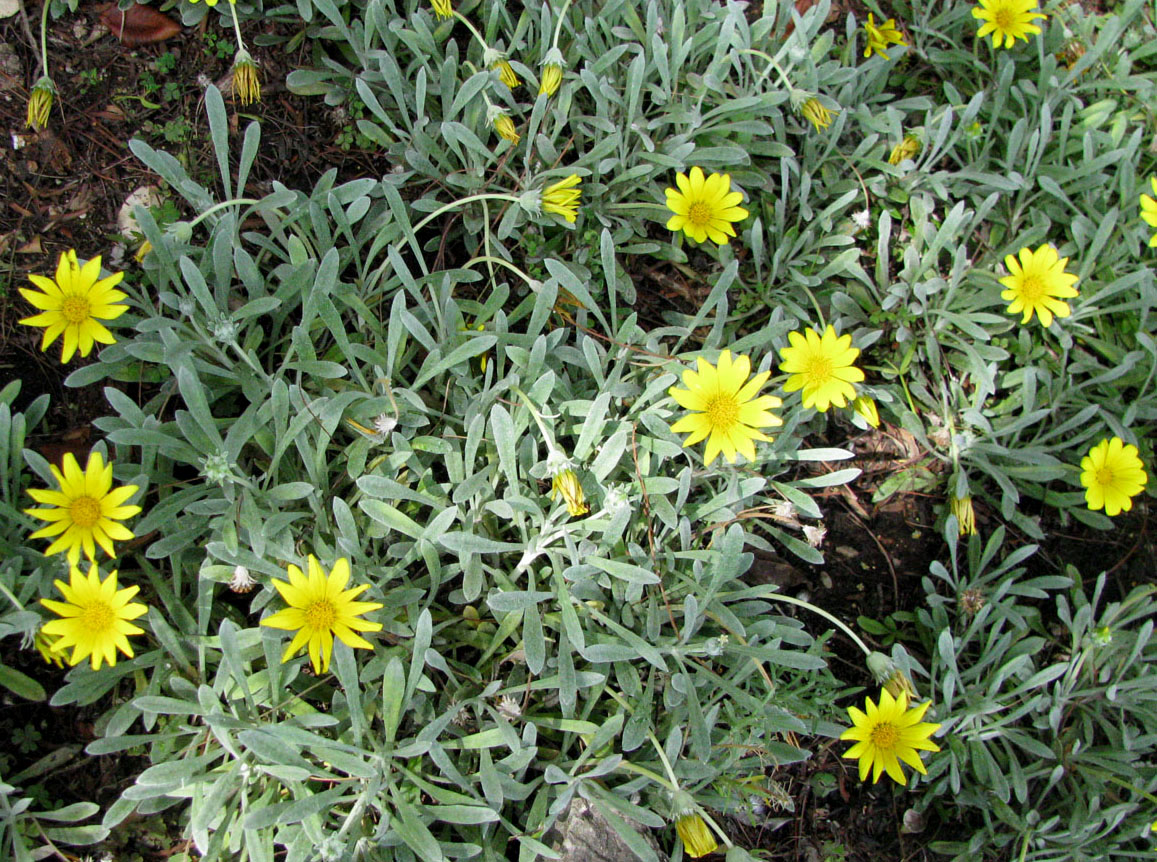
(237, 27)
(491, 259)
(470, 27)
(558, 24)
(792, 600)
(487, 196)
(44, 37)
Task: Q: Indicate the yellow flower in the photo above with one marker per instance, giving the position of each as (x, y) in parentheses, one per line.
(74, 304)
(887, 734)
(704, 207)
(697, 838)
(85, 510)
(567, 484)
(143, 251)
(822, 367)
(965, 514)
(908, 148)
(1112, 474)
(246, 82)
(506, 73)
(40, 103)
(505, 127)
(44, 644)
(551, 79)
(1007, 19)
(95, 618)
(1149, 211)
(1037, 283)
(885, 672)
(865, 406)
(320, 607)
(879, 38)
(562, 198)
(725, 409)
(443, 9)
(815, 113)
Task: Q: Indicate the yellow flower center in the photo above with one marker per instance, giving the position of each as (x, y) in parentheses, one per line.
(85, 511)
(1105, 477)
(75, 309)
(1004, 19)
(722, 412)
(1032, 288)
(321, 615)
(819, 370)
(699, 214)
(98, 617)
(885, 736)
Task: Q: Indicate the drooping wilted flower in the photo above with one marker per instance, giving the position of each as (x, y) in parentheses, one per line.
(246, 81)
(40, 103)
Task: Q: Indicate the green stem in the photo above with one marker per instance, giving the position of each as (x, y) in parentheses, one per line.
(772, 64)
(558, 24)
(487, 196)
(220, 206)
(470, 27)
(44, 37)
(537, 418)
(816, 306)
(490, 259)
(237, 27)
(792, 600)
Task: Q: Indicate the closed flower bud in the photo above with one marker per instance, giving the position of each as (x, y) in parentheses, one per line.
(865, 407)
(567, 484)
(246, 82)
(965, 515)
(815, 113)
(908, 148)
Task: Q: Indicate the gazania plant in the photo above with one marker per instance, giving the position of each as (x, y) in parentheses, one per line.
(544, 462)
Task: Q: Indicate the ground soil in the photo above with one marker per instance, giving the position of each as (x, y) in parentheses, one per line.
(61, 189)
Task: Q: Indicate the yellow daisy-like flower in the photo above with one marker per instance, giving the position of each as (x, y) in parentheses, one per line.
(887, 734)
(506, 73)
(822, 367)
(815, 113)
(562, 198)
(704, 207)
(85, 510)
(320, 607)
(95, 618)
(908, 148)
(567, 484)
(880, 37)
(246, 81)
(40, 103)
(1038, 282)
(1007, 19)
(1112, 474)
(505, 127)
(696, 836)
(725, 408)
(74, 304)
(1149, 210)
(965, 514)
(443, 9)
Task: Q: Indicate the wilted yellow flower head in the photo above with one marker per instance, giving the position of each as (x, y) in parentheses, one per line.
(562, 198)
(965, 514)
(814, 112)
(696, 836)
(506, 73)
(567, 484)
(246, 81)
(443, 9)
(552, 66)
(908, 148)
(881, 36)
(865, 407)
(504, 125)
(40, 103)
